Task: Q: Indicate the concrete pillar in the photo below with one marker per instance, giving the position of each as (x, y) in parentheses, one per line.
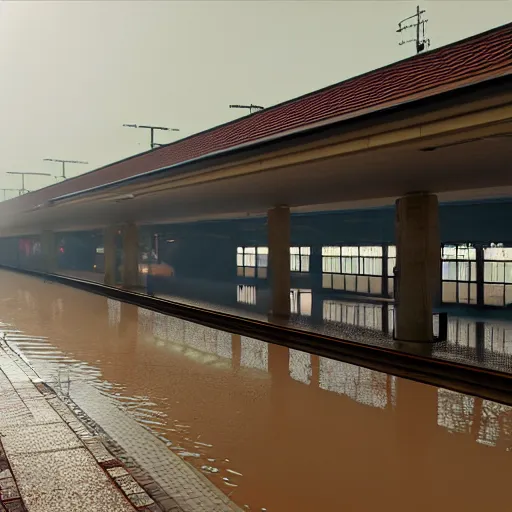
(109, 255)
(279, 260)
(418, 250)
(130, 256)
(48, 252)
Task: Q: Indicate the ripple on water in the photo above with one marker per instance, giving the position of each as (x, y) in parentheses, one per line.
(60, 370)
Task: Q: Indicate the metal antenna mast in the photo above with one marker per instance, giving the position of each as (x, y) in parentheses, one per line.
(250, 107)
(64, 162)
(421, 42)
(152, 129)
(4, 190)
(22, 190)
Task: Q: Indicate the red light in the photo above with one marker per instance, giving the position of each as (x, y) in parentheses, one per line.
(61, 250)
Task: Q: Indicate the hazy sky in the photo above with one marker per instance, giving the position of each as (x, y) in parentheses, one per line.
(72, 72)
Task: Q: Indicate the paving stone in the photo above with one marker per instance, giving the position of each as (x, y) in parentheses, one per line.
(112, 463)
(15, 375)
(150, 487)
(8, 395)
(38, 438)
(169, 471)
(100, 453)
(5, 473)
(15, 413)
(42, 411)
(152, 508)
(168, 504)
(128, 485)
(4, 465)
(117, 472)
(15, 506)
(29, 392)
(140, 499)
(65, 481)
(8, 489)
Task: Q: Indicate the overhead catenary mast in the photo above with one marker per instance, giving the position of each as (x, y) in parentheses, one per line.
(152, 129)
(23, 190)
(64, 162)
(422, 43)
(250, 107)
(5, 190)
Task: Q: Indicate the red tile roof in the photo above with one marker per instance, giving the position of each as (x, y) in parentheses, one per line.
(482, 56)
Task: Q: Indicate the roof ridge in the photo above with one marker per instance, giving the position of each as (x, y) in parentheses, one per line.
(480, 35)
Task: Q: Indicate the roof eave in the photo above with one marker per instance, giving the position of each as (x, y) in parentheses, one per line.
(329, 124)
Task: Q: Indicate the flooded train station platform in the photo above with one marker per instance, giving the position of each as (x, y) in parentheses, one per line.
(473, 337)
(273, 428)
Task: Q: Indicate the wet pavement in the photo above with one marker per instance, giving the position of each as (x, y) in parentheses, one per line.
(271, 427)
(44, 465)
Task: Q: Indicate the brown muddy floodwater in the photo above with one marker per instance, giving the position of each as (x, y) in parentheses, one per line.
(296, 432)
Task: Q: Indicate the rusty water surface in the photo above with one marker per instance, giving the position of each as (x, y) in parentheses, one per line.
(272, 427)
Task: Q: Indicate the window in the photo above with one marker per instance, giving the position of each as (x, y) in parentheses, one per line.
(371, 261)
(462, 332)
(498, 338)
(331, 262)
(262, 257)
(350, 260)
(362, 315)
(391, 268)
(300, 302)
(252, 261)
(246, 294)
(353, 268)
(497, 275)
(459, 273)
(299, 259)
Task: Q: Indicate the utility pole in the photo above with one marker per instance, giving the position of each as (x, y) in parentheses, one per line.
(250, 107)
(23, 190)
(64, 162)
(152, 130)
(421, 42)
(9, 190)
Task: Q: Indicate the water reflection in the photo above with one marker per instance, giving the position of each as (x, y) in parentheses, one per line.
(254, 354)
(495, 337)
(296, 426)
(477, 339)
(301, 368)
(114, 312)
